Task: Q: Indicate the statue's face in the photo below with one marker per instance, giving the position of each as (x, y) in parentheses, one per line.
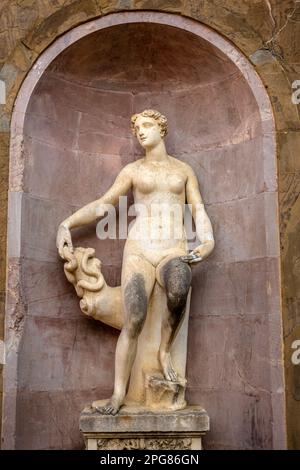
(147, 131)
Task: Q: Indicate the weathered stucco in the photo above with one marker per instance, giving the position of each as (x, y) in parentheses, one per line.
(267, 32)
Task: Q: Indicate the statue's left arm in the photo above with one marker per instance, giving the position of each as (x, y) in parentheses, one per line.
(203, 225)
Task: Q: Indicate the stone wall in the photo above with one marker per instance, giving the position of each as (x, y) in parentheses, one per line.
(267, 32)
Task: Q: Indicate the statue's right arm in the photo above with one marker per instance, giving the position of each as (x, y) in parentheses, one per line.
(94, 210)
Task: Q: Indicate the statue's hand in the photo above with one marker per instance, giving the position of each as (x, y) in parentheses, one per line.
(191, 258)
(199, 253)
(63, 238)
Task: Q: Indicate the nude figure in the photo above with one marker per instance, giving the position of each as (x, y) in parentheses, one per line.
(156, 179)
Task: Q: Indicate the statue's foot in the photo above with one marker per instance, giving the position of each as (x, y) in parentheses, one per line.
(111, 408)
(167, 366)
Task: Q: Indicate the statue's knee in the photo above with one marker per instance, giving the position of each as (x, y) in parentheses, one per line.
(176, 301)
(178, 277)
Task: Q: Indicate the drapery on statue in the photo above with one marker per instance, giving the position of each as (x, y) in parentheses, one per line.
(148, 261)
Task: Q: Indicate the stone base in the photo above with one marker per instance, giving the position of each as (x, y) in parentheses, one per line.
(138, 428)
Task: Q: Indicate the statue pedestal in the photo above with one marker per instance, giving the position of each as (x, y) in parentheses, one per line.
(138, 428)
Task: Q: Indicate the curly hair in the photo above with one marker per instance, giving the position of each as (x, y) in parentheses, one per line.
(152, 113)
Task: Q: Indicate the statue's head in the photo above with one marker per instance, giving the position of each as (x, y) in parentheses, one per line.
(149, 127)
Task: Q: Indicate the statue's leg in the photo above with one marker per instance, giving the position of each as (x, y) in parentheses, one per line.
(138, 278)
(176, 276)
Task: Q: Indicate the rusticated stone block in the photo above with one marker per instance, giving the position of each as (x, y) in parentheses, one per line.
(162, 5)
(60, 21)
(288, 146)
(109, 6)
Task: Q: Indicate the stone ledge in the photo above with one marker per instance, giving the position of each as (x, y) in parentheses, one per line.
(131, 420)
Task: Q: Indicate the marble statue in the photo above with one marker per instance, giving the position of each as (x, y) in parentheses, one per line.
(155, 267)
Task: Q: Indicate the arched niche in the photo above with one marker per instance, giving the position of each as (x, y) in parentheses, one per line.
(70, 136)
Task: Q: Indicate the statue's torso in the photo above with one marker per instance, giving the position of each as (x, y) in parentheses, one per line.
(159, 197)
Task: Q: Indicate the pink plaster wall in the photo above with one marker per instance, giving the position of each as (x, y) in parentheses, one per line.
(76, 139)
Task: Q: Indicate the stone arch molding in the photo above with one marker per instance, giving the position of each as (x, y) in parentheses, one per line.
(14, 308)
